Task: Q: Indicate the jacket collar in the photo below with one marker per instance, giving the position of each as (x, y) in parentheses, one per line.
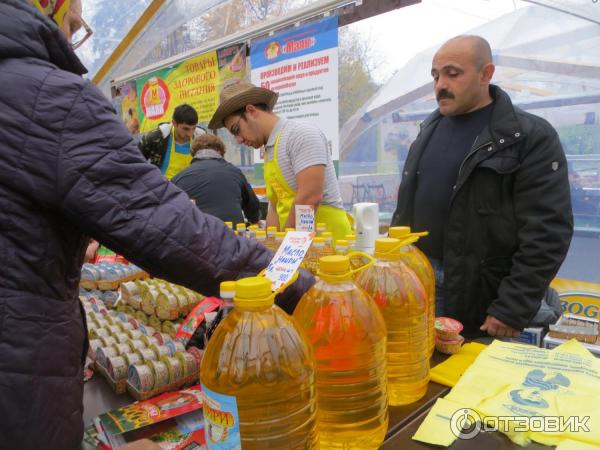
(504, 128)
(26, 33)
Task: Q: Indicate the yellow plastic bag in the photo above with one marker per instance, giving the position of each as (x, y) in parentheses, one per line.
(527, 393)
(449, 372)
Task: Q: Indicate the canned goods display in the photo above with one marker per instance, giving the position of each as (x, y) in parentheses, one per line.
(102, 332)
(122, 348)
(137, 344)
(122, 317)
(147, 355)
(161, 338)
(107, 341)
(175, 368)
(126, 326)
(135, 334)
(160, 350)
(160, 372)
(174, 346)
(103, 353)
(114, 329)
(116, 367)
(147, 330)
(140, 377)
(134, 322)
(94, 344)
(132, 358)
(109, 320)
(101, 322)
(121, 337)
(196, 353)
(113, 313)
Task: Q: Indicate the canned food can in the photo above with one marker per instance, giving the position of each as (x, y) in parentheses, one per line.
(137, 344)
(135, 334)
(116, 367)
(103, 353)
(108, 341)
(189, 363)
(147, 355)
(140, 377)
(160, 372)
(132, 358)
(121, 337)
(123, 348)
(160, 350)
(174, 367)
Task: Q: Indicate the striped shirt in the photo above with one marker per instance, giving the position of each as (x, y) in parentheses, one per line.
(303, 145)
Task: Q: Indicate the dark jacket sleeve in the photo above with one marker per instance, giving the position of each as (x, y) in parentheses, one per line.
(542, 205)
(250, 203)
(115, 196)
(144, 145)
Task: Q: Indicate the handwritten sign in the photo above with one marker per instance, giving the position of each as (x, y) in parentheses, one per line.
(288, 258)
(305, 218)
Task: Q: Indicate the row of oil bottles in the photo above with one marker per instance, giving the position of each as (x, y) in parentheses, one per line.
(359, 339)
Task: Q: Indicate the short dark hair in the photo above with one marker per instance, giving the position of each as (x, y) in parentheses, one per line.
(208, 141)
(261, 106)
(185, 114)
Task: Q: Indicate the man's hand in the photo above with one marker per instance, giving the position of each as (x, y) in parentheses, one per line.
(494, 327)
(91, 250)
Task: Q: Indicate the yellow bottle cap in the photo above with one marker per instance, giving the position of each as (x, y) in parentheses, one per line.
(350, 237)
(321, 225)
(319, 240)
(280, 234)
(253, 291)
(253, 227)
(229, 224)
(327, 234)
(398, 232)
(341, 242)
(261, 234)
(272, 229)
(386, 248)
(240, 226)
(334, 265)
(290, 229)
(227, 287)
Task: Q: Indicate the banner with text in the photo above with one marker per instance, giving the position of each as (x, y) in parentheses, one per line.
(302, 65)
(196, 81)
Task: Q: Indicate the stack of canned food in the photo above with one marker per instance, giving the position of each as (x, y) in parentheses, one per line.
(129, 350)
(109, 275)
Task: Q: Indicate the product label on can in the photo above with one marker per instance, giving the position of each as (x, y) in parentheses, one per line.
(222, 425)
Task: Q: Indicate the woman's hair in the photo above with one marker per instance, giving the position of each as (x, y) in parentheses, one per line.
(205, 141)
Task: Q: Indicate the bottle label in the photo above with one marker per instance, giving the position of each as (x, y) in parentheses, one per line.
(221, 422)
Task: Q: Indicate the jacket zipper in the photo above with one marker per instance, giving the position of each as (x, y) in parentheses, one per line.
(468, 156)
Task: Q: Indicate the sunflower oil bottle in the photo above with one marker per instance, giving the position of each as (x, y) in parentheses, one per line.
(261, 236)
(258, 377)
(270, 242)
(351, 242)
(341, 247)
(419, 263)
(315, 252)
(348, 336)
(402, 299)
(321, 228)
(252, 229)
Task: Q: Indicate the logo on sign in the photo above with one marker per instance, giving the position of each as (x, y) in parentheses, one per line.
(155, 98)
(272, 51)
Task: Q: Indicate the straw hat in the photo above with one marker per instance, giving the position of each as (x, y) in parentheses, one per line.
(235, 97)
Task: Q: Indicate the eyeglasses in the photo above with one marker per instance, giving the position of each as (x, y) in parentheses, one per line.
(235, 128)
(79, 38)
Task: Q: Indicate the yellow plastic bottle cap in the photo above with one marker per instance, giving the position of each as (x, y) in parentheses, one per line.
(319, 240)
(385, 246)
(229, 224)
(253, 227)
(398, 232)
(253, 291)
(327, 234)
(334, 264)
(280, 234)
(272, 229)
(290, 229)
(261, 234)
(350, 237)
(341, 242)
(227, 289)
(240, 226)
(235, 232)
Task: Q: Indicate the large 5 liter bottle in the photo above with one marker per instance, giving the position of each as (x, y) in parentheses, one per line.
(419, 263)
(348, 336)
(400, 295)
(258, 377)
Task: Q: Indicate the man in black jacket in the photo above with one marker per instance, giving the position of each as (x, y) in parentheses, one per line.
(489, 181)
(217, 187)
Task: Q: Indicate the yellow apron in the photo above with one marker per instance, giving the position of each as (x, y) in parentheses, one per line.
(281, 194)
(177, 161)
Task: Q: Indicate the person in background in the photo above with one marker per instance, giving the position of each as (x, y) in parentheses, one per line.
(217, 187)
(489, 182)
(298, 165)
(69, 170)
(168, 147)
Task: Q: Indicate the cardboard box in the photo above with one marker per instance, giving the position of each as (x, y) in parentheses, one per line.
(551, 342)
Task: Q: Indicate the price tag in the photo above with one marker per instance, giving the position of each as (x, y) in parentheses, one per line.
(305, 218)
(288, 258)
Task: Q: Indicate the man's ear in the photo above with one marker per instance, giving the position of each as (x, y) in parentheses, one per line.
(487, 73)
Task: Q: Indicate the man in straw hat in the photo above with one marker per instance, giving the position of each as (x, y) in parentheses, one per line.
(298, 165)
(69, 170)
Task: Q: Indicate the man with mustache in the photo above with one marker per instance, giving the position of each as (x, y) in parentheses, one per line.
(489, 182)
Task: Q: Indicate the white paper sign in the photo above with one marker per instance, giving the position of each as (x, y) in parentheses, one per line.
(305, 218)
(288, 258)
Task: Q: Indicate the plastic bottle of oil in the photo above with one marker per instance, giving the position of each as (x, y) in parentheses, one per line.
(252, 229)
(348, 336)
(270, 243)
(258, 377)
(341, 247)
(400, 295)
(419, 263)
(321, 228)
(261, 236)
